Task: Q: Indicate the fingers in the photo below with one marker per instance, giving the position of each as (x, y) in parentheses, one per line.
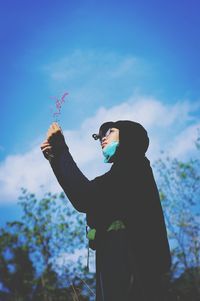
(45, 144)
(46, 150)
(53, 129)
(54, 140)
(55, 126)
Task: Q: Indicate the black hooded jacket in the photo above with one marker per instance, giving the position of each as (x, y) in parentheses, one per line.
(127, 192)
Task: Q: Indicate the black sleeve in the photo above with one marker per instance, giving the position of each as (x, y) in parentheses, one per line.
(77, 187)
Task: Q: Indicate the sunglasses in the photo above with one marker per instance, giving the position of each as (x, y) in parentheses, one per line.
(101, 135)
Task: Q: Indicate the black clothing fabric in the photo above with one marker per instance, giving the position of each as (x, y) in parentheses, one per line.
(116, 277)
(127, 192)
(114, 273)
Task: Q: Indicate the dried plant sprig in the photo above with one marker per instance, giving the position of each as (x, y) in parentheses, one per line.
(58, 103)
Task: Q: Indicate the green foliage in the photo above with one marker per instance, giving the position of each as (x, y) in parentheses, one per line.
(179, 193)
(30, 251)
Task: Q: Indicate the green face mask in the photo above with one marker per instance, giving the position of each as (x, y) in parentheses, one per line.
(110, 150)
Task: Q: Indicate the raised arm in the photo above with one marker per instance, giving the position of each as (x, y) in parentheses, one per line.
(77, 187)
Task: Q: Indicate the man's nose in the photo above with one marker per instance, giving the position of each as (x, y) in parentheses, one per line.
(103, 139)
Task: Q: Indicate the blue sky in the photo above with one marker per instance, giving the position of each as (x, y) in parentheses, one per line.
(134, 60)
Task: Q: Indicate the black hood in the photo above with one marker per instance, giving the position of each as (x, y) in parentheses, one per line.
(133, 139)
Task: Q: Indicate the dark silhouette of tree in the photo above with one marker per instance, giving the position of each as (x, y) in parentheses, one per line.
(16, 268)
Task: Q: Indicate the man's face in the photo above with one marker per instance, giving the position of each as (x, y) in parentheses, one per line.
(112, 135)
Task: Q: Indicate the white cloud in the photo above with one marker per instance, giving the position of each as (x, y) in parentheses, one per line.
(147, 110)
(184, 142)
(167, 126)
(23, 170)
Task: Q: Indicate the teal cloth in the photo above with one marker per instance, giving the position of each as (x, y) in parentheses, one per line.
(110, 150)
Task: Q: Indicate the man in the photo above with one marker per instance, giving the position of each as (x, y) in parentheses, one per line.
(123, 210)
